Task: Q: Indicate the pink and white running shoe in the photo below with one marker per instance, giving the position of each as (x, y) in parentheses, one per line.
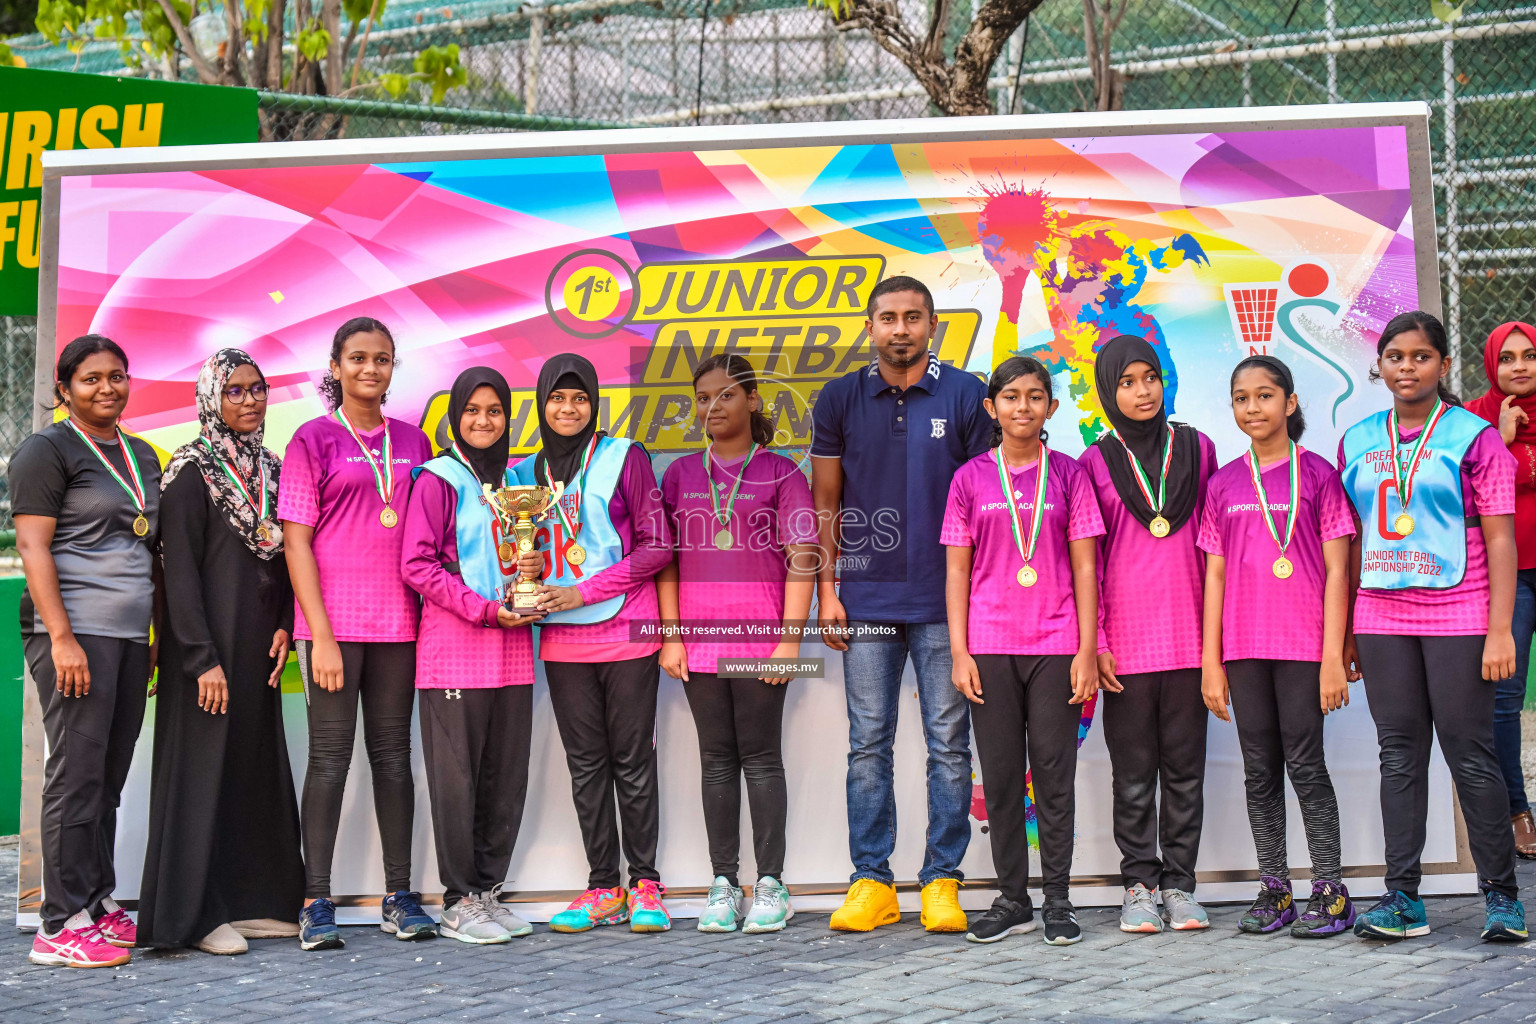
(116, 926)
(77, 944)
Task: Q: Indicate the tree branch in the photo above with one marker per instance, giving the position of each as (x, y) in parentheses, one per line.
(205, 71)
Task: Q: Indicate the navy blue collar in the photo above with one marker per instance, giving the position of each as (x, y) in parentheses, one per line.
(929, 381)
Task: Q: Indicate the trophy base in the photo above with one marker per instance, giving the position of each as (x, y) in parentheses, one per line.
(523, 604)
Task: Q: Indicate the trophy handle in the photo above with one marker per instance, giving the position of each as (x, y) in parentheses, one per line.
(559, 489)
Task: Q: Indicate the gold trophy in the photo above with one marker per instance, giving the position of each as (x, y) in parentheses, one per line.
(522, 503)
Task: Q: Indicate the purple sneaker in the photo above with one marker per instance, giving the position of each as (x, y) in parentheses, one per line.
(1329, 912)
(1274, 908)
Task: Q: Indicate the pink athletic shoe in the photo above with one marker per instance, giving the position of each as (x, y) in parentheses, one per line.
(116, 926)
(77, 944)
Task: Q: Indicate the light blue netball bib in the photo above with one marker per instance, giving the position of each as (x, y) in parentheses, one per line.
(598, 536)
(1434, 555)
(475, 529)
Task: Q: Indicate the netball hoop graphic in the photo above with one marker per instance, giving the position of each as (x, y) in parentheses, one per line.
(1257, 308)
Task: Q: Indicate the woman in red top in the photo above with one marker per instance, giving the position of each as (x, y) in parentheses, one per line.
(1510, 404)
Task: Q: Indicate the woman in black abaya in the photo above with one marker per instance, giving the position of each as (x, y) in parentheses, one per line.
(223, 863)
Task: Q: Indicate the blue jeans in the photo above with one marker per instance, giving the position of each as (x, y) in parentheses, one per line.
(872, 674)
(1509, 694)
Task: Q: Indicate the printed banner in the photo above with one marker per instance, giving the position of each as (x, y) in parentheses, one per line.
(1213, 245)
(41, 110)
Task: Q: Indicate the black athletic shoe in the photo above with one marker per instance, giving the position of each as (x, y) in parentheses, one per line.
(1060, 922)
(1002, 919)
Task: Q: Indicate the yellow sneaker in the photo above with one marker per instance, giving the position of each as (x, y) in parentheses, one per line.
(941, 906)
(869, 905)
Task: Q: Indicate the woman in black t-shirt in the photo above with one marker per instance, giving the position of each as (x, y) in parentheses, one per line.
(86, 500)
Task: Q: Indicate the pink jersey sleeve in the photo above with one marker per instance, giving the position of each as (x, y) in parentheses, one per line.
(1491, 468)
(651, 536)
(1209, 537)
(955, 530)
(1083, 516)
(428, 529)
(1335, 515)
(298, 494)
(797, 512)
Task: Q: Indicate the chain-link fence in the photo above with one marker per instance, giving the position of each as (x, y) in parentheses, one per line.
(593, 63)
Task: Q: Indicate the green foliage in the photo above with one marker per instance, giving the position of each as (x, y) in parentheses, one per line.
(839, 9)
(312, 41)
(358, 10)
(439, 66)
(1446, 10)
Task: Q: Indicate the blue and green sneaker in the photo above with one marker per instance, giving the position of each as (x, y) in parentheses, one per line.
(722, 907)
(592, 908)
(1396, 916)
(646, 911)
(404, 919)
(1506, 919)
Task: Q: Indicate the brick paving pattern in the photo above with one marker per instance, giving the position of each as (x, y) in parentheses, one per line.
(806, 974)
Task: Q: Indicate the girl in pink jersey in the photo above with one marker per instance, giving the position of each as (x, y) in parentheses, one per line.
(346, 482)
(745, 530)
(1150, 475)
(1433, 488)
(1276, 529)
(1021, 528)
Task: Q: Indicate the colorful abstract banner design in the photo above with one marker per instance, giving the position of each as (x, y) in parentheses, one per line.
(1210, 245)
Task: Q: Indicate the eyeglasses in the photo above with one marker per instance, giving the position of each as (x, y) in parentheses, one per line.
(236, 394)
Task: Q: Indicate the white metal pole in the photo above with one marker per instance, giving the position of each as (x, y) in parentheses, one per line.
(1452, 186)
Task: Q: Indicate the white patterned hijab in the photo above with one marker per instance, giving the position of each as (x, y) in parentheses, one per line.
(220, 450)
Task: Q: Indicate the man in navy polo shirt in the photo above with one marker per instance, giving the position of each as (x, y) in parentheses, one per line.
(888, 438)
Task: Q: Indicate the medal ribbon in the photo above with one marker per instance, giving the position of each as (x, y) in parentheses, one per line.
(506, 478)
(262, 509)
(1258, 486)
(383, 480)
(573, 526)
(714, 492)
(1025, 545)
(1404, 481)
(1141, 478)
(134, 485)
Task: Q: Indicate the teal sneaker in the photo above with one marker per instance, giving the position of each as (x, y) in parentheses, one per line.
(722, 907)
(592, 908)
(646, 911)
(1506, 919)
(1396, 916)
(770, 910)
(1138, 911)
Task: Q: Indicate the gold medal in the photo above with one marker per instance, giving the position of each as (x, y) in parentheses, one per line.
(1403, 524)
(575, 554)
(1283, 568)
(506, 551)
(140, 525)
(1160, 527)
(1028, 577)
(724, 540)
(263, 531)
(388, 518)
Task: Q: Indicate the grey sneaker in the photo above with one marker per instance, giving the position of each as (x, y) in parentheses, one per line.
(502, 914)
(1182, 913)
(469, 921)
(1138, 913)
(770, 910)
(722, 908)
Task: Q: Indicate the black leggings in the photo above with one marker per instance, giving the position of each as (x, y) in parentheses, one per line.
(90, 748)
(1027, 720)
(741, 724)
(383, 676)
(606, 713)
(1425, 687)
(1279, 714)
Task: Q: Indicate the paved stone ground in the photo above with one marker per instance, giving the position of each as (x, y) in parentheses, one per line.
(804, 975)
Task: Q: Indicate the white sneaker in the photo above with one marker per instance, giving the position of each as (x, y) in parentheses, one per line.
(770, 910)
(502, 914)
(722, 908)
(469, 921)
